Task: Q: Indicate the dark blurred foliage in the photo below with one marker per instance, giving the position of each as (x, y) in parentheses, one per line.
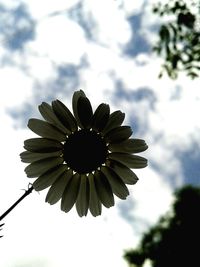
(174, 240)
(179, 37)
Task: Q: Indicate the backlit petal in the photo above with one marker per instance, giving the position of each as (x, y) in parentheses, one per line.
(118, 134)
(75, 99)
(48, 178)
(29, 157)
(64, 115)
(71, 192)
(56, 190)
(131, 161)
(48, 114)
(129, 146)
(45, 129)
(100, 117)
(115, 119)
(117, 185)
(41, 166)
(82, 201)
(125, 173)
(94, 202)
(42, 145)
(103, 189)
(84, 110)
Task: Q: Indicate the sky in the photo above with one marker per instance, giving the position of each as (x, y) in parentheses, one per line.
(48, 50)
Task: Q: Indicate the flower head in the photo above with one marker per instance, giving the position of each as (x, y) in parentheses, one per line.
(85, 158)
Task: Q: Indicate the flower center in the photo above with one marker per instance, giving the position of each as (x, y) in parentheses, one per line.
(85, 151)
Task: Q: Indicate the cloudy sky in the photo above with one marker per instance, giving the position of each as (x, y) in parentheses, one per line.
(49, 49)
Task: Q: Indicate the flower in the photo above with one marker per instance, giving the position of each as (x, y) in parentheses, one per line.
(84, 158)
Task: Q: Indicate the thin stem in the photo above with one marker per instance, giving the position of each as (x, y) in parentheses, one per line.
(27, 192)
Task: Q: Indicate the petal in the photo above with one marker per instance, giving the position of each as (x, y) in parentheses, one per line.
(41, 166)
(48, 178)
(64, 115)
(117, 185)
(45, 129)
(131, 161)
(118, 134)
(94, 202)
(71, 192)
(116, 118)
(56, 190)
(85, 112)
(129, 146)
(82, 201)
(125, 173)
(75, 99)
(48, 114)
(100, 117)
(103, 189)
(29, 157)
(42, 145)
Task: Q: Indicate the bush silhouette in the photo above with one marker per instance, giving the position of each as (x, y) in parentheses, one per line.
(174, 240)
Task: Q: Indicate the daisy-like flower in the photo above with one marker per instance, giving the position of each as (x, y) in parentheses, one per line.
(85, 158)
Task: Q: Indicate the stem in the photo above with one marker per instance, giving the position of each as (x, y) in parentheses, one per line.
(27, 192)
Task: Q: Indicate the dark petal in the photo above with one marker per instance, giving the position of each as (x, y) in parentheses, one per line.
(85, 112)
(48, 114)
(75, 99)
(42, 145)
(100, 117)
(29, 157)
(82, 202)
(41, 166)
(125, 173)
(117, 185)
(49, 177)
(118, 134)
(131, 161)
(129, 146)
(94, 202)
(45, 129)
(104, 189)
(115, 119)
(56, 190)
(64, 115)
(71, 192)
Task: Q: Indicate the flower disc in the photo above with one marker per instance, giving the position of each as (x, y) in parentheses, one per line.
(85, 151)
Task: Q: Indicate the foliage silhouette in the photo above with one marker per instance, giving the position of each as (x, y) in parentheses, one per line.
(179, 37)
(173, 241)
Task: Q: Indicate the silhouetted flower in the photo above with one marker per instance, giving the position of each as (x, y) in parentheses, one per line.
(85, 158)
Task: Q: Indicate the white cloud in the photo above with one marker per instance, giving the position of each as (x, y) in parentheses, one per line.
(62, 33)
